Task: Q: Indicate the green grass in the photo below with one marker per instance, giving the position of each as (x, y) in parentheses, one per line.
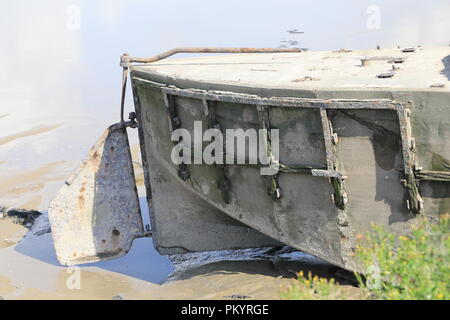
(414, 267)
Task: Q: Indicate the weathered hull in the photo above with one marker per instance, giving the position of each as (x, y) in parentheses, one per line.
(383, 135)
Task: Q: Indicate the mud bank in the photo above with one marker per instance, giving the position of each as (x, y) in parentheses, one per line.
(10, 233)
(29, 270)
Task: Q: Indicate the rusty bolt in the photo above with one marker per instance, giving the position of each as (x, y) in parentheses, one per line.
(177, 122)
(184, 174)
(413, 144)
(335, 138)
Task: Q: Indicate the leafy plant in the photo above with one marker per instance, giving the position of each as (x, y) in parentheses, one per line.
(413, 267)
(408, 267)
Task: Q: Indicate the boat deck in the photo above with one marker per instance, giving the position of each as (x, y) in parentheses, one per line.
(426, 68)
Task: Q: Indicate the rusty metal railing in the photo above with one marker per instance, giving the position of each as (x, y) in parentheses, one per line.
(126, 60)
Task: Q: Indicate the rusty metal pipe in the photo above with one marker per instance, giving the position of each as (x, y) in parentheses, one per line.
(126, 59)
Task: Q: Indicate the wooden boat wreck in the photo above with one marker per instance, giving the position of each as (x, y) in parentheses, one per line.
(364, 137)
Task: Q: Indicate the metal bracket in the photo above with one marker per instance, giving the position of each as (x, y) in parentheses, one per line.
(426, 175)
(133, 122)
(412, 174)
(415, 201)
(274, 189)
(223, 183)
(175, 123)
(336, 178)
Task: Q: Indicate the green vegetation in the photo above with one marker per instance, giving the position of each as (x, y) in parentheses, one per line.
(408, 267)
(315, 288)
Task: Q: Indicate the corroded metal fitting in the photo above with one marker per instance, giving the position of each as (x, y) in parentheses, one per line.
(125, 60)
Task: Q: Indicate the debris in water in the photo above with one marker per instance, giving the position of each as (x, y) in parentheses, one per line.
(307, 78)
(23, 217)
(295, 31)
(437, 85)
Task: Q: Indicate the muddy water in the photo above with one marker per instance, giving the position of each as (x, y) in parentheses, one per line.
(218, 282)
(29, 270)
(28, 133)
(205, 284)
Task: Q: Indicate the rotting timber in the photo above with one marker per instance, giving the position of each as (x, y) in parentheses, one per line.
(356, 147)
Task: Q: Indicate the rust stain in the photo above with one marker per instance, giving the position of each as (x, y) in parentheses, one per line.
(81, 196)
(81, 202)
(137, 165)
(94, 161)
